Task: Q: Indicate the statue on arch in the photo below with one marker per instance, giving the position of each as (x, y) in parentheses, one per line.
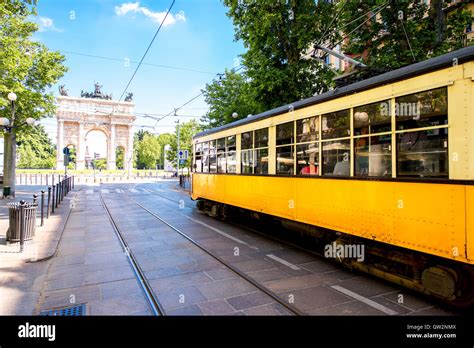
(63, 91)
(129, 97)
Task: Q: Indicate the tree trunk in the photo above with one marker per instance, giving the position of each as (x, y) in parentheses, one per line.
(9, 161)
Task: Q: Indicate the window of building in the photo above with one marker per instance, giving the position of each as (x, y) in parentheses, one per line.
(336, 125)
(231, 152)
(212, 157)
(336, 157)
(221, 156)
(198, 158)
(254, 152)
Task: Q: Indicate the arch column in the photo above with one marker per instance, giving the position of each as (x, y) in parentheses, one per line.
(60, 146)
(111, 158)
(81, 148)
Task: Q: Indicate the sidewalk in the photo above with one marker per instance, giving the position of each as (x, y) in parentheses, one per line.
(21, 277)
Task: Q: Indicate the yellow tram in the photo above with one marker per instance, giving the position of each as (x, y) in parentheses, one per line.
(387, 162)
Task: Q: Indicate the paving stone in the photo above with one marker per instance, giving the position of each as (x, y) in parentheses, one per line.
(367, 286)
(216, 307)
(249, 300)
(181, 297)
(351, 308)
(190, 310)
(225, 288)
(178, 281)
(220, 273)
(294, 283)
(268, 275)
(315, 297)
(268, 309)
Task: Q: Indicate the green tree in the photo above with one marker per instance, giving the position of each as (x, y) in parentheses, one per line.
(149, 151)
(186, 132)
(137, 138)
(230, 94)
(278, 35)
(119, 157)
(27, 68)
(403, 31)
(36, 149)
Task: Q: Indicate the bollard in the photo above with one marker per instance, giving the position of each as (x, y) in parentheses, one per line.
(47, 181)
(22, 225)
(57, 195)
(42, 207)
(53, 199)
(49, 200)
(35, 198)
(73, 182)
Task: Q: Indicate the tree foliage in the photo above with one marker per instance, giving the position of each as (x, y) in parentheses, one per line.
(186, 132)
(277, 35)
(36, 149)
(404, 31)
(27, 67)
(228, 95)
(149, 151)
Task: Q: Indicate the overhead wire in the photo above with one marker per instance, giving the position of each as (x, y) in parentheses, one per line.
(146, 52)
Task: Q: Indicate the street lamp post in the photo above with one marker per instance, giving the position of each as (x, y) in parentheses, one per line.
(10, 146)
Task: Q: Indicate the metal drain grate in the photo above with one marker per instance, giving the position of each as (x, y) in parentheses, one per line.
(74, 311)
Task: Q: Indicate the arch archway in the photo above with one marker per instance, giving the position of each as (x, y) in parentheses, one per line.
(79, 117)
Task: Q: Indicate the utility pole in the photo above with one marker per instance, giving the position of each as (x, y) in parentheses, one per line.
(177, 154)
(9, 151)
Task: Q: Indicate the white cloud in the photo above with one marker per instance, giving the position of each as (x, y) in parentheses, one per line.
(157, 17)
(46, 24)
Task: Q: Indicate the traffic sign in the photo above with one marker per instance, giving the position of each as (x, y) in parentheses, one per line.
(66, 151)
(183, 154)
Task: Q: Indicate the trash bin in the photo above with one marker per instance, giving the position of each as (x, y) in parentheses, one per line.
(14, 212)
(6, 191)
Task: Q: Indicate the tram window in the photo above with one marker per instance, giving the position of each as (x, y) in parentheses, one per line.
(231, 162)
(423, 153)
(221, 165)
(205, 157)
(246, 140)
(231, 144)
(372, 118)
(373, 156)
(307, 156)
(212, 157)
(231, 155)
(261, 161)
(336, 157)
(261, 138)
(307, 129)
(425, 109)
(198, 158)
(336, 124)
(246, 162)
(285, 160)
(285, 133)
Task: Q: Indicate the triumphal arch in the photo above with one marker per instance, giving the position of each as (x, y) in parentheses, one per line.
(77, 116)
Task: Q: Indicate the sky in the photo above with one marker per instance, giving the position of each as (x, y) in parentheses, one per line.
(195, 43)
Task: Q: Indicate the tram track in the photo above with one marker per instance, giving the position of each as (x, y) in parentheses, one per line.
(150, 294)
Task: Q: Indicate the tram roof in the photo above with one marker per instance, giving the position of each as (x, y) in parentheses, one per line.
(445, 60)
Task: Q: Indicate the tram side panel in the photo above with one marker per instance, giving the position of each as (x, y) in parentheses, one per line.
(430, 218)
